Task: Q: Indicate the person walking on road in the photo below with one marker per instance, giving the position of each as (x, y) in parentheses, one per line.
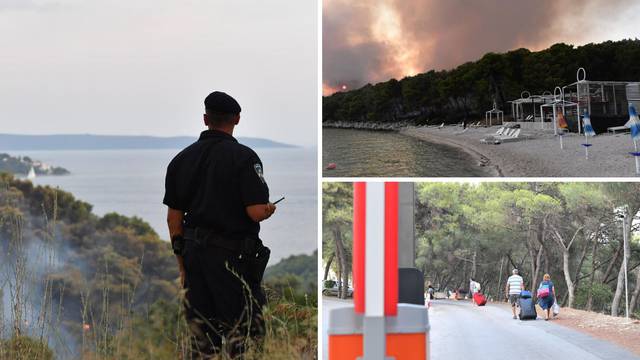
(515, 285)
(474, 287)
(546, 295)
(430, 292)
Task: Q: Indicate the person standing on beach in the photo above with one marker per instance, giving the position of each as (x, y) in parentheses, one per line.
(217, 196)
(515, 285)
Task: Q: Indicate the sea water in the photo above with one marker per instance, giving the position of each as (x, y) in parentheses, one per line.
(390, 154)
(131, 182)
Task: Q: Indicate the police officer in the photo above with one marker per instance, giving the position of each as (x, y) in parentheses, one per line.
(217, 196)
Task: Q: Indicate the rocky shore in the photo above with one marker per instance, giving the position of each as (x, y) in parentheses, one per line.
(361, 125)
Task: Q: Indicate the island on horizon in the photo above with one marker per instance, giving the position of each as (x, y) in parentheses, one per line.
(111, 142)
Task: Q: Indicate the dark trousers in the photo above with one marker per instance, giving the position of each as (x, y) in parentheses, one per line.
(223, 300)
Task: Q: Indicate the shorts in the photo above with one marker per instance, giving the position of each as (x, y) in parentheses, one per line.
(513, 299)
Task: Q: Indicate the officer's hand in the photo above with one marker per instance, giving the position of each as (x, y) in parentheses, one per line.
(260, 212)
(269, 209)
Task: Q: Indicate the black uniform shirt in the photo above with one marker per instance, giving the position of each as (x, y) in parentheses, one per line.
(213, 181)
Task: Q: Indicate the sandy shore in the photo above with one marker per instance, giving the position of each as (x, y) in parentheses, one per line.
(538, 153)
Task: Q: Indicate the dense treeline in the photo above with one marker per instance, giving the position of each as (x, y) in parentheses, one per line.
(469, 90)
(109, 287)
(572, 231)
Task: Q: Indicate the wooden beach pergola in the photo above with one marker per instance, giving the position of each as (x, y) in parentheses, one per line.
(489, 115)
(558, 103)
(525, 108)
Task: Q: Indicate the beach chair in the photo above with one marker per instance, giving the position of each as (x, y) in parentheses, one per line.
(514, 136)
(510, 135)
(613, 129)
(500, 131)
(461, 132)
(441, 126)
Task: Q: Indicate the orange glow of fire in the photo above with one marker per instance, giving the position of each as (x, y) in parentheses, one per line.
(387, 29)
(328, 89)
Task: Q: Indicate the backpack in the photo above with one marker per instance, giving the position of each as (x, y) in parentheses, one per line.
(543, 291)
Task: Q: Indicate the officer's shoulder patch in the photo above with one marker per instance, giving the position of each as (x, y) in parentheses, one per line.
(258, 168)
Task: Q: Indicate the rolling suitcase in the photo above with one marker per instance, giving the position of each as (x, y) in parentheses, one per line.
(480, 299)
(527, 308)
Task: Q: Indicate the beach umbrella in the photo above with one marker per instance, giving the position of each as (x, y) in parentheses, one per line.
(634, 125)
(562, 126)
(588, 131)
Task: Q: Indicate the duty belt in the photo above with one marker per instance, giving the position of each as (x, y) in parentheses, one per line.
(208, 237)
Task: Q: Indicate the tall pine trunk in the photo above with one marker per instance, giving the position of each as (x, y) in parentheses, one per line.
(592, 277)
(565, 261)
(615, 304)
(636, 293)
(342, 259)
(328, 266)
(567, 277)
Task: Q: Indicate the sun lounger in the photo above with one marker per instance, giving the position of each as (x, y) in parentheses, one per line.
(510, 135)
(499, 132)
(514, 136)
(613, 129)
(461, 132)
(441, 126)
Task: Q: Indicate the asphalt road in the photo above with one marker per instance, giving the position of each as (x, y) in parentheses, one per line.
(460, 330)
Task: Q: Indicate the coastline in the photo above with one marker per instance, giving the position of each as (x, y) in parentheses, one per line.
(362, 125)
(538, 153)
(478, 156)
(378, 153)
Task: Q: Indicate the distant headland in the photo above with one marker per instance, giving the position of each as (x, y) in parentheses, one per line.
(23, 165)
(112, 142)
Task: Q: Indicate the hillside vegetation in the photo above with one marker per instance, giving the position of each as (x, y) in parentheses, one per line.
(76, 284)
(467, 91)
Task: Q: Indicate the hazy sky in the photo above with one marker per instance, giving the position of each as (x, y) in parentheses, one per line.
(372, 41)
(145, 66)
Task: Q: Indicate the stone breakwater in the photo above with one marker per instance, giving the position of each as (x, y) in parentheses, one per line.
(361, 125)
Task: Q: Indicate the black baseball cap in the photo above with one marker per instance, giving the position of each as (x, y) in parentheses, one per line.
(221, 102)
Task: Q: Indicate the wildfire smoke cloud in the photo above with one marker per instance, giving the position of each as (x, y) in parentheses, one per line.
(367, 41)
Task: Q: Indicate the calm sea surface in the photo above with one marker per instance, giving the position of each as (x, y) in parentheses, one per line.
(380, 153)
(131, 182)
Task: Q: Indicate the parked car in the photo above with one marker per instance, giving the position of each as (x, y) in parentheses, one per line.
(333, 289)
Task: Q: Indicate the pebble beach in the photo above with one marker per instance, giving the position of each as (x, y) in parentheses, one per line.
(537, 153)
